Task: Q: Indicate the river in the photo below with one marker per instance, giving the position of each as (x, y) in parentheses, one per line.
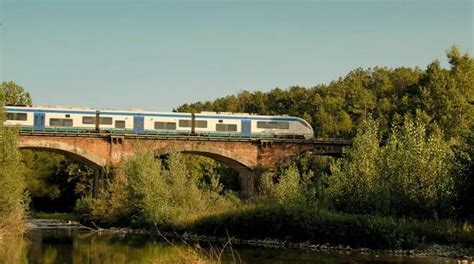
(76, 245)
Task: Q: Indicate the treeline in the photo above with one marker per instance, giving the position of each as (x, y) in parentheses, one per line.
(386, 94)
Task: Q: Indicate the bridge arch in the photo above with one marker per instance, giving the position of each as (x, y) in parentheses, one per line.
(242, 165)
(76, 153)
(227, 157)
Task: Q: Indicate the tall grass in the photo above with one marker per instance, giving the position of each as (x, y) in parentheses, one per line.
(12, 222)
(299, 223)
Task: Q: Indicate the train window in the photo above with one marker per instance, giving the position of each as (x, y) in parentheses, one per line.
(91, 120)
(88, 119)
(119, 124)
(226, 127)
(17, 116)
(201, 123)
(284, 125)
(106, 120)
(165, 125)
(60, 122)
(185, 123)
(273, 125)
(265, 124)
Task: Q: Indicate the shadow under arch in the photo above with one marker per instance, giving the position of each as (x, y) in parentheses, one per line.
(231, 163)
(244, 167)
(226, 157)
(78, 154)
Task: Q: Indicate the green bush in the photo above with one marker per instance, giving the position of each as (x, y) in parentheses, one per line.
(409, 176)
(147, 192)
(13, 199)
(303, 223)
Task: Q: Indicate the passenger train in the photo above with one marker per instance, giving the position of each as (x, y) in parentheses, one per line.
(156, 123)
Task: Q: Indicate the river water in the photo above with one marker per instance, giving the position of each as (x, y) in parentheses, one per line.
(75, 245)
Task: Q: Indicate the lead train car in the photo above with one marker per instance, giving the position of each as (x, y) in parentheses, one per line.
(141, 122)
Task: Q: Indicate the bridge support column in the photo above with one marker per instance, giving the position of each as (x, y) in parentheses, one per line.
(98, 177)
(247, 184)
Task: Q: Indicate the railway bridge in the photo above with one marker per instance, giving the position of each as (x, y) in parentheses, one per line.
(242, 154)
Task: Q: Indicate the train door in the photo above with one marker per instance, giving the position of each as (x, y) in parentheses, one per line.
(139, 124)
(39, 121)
(246, 128)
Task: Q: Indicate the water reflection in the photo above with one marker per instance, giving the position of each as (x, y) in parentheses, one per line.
(80, 246)
(75, 246)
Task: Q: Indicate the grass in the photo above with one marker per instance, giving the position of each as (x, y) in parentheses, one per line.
(197, 254)
(54, 216)
(300, 224)
(12, 223)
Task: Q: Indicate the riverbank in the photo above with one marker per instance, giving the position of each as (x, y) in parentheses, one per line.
(303, 228)
(320, 226)
(454, 254)
(457, 252)
(75, 245)
(299, 227)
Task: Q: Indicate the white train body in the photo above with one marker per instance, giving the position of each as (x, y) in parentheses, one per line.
(144, 122)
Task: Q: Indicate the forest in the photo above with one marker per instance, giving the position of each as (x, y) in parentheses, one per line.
(407, 180)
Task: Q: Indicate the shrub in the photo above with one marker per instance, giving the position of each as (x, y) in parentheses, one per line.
(149, 192)
(409, 176)
(13, 199)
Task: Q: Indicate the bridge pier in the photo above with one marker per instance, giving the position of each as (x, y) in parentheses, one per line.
(247, 184)
(96, 181)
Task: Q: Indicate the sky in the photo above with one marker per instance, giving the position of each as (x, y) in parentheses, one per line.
(157, 55)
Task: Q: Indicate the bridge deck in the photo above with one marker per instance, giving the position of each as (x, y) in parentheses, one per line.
(199, 137)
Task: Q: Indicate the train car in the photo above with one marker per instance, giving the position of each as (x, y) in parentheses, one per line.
(214, 124)
(249, 125)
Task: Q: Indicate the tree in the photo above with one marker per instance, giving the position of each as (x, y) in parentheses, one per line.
(12, 197)
(445, 93)
(355, 185)
(13, 94)
(416, 163)
(464, 177)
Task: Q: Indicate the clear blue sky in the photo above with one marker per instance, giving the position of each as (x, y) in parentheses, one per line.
(160, 54)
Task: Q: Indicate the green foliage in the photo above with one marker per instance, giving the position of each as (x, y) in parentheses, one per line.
(386, 94)
(463, 168)
(416, 165)
(13, 199)
(148, 188)
(114, 203)
(408, 176)
(13, 94)
(53, 181)
(308, 223)
(55, 216)
(39, 168)
(355, 184)
(211, 173)
(290, 188)
(149, 192)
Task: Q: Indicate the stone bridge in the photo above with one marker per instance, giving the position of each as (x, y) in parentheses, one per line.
(242, 154)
